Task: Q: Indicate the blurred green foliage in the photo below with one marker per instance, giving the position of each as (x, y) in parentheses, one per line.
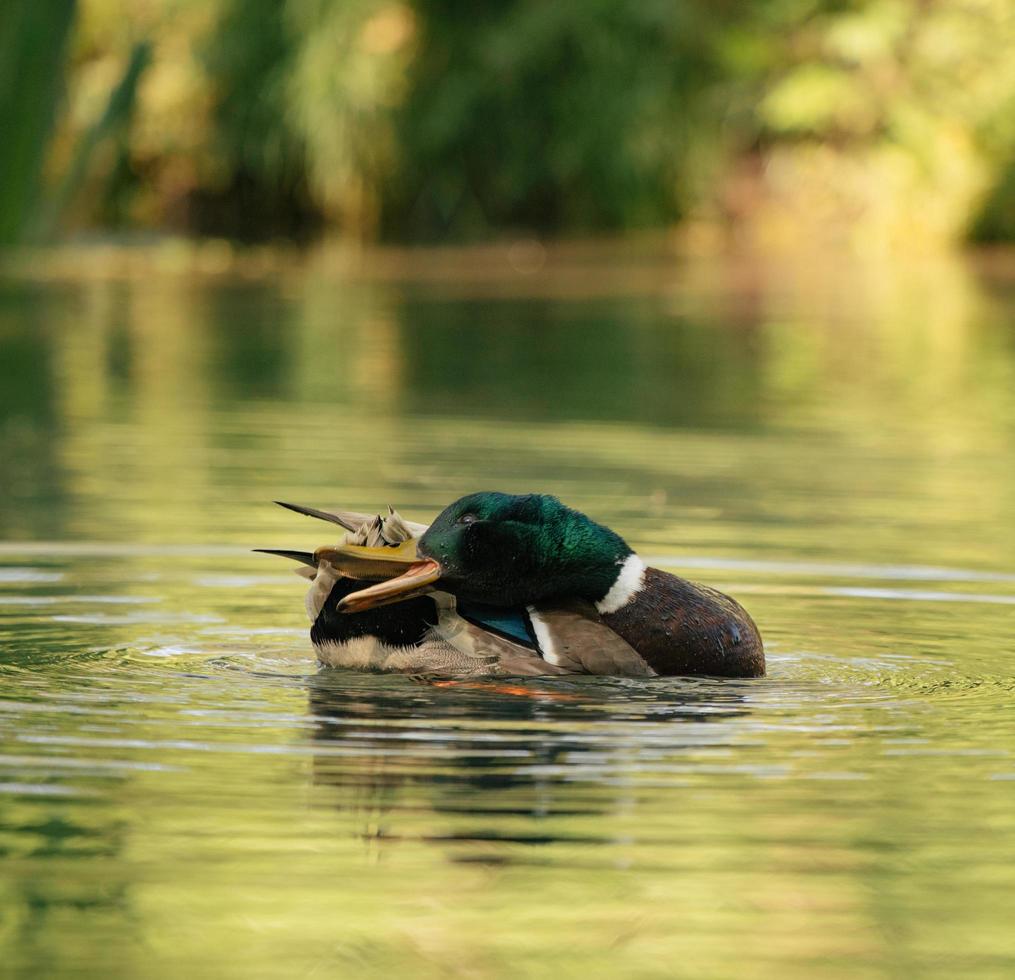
(574, 115)
(33, 37)
(873, 123)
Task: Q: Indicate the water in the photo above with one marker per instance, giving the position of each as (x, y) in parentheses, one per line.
(183, 794)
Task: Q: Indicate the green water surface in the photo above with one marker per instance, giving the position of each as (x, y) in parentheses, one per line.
(183, 794)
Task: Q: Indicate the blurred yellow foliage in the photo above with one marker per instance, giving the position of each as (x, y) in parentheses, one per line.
(879, 133)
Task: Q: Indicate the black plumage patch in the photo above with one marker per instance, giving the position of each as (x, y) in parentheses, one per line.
(402, 624)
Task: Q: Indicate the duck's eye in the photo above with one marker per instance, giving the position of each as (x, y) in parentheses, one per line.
(468, 519)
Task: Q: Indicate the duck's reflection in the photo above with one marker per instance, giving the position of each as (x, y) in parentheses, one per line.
(521, 762)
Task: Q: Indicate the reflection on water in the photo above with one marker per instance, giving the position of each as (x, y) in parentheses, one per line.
(180, 791)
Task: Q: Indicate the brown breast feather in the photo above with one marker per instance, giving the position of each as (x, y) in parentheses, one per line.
(681, 628)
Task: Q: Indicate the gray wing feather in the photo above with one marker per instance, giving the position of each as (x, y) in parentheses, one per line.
(494, 655)
(574, 636)
(390, 530)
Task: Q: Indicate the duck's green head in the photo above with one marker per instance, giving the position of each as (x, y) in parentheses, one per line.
(509, 550)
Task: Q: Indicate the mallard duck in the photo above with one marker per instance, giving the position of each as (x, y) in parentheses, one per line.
(429, 634)
(569, 595)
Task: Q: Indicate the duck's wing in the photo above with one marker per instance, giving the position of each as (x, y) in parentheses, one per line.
(573, 636)
(398, 528)
(351, 520)
(494, 653)
(356, 521)
(374, 549)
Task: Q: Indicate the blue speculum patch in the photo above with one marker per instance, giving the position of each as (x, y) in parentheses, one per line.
(512, 623)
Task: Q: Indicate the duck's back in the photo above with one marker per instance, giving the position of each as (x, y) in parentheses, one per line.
(681, 628)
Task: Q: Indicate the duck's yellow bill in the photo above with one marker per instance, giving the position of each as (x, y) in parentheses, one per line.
(359, 561)
(416, 580)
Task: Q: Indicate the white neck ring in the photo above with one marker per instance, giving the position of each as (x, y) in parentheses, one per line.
(629, 582)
